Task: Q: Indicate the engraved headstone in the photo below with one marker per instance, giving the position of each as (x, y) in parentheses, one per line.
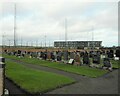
(55, 55)
(110, 54)
(71, 61)
(118, 53)
(59, 56)
(86, 58)
(106, 62)
(96, 58)
(77, 59)
(48, 55)
(65, 55)
(72, 55)
(52, 56)
(44, 56)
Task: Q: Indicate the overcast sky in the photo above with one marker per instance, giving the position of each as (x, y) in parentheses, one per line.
(34, 20)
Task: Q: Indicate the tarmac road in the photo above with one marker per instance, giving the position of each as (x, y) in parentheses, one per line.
(13, 89)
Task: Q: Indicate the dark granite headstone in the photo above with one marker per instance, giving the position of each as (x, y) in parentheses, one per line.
(44, 55)
(81, 54)
(86, 58)
(96, 58)
(106, 62)
(52, 56)
(59, 56)
(117, 53)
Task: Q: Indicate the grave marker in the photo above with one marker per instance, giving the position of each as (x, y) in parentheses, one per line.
(86, 59)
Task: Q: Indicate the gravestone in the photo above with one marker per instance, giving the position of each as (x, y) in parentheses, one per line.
(103, 56)
(44, 55)
(96, 58)
(116, 58)
(110, 54)
(72, 55)
(71, 61)
(77, 59)
(39, 54)
(65, 55)
(23, 53)
(81, 54)
(118, 53)
(48, 55)
(107, 63)
(59, 56)
(34, 54)
(86, 59)
(19, 51)
(52, 56)
(91, 54)
(55, 55)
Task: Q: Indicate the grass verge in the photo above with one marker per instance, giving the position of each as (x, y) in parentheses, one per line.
(81, 70)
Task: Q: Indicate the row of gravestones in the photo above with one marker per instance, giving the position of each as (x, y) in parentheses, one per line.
(73, 57)
(109, 54)
(65, 56)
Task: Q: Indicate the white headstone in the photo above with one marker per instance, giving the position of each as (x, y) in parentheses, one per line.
(116, 58)
(71, 61)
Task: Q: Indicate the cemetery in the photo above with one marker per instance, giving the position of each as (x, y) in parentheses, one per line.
(59, 47)
(89, 64)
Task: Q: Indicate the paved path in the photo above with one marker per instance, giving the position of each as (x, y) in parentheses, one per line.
(103, 85)
(13, 89)
(107, 84)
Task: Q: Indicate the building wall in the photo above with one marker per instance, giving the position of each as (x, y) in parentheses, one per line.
(77, 44)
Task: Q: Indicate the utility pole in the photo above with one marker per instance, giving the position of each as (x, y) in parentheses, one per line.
(41, 44)
(92, 38)
(36, 43)
(66, 33)
(21, 42)
(9, 42)
(14, 24)
(31, 44)
(3, 40)
(26, 43)
(49, 44)
(45, 40)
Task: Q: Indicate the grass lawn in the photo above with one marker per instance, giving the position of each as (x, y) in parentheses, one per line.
(115, 64)
(34, 80)
(82, 70)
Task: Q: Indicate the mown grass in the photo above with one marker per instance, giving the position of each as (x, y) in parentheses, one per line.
(82, 70)
(115, 64)
(34, 80)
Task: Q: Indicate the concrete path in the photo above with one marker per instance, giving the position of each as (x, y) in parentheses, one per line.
(107, 84)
